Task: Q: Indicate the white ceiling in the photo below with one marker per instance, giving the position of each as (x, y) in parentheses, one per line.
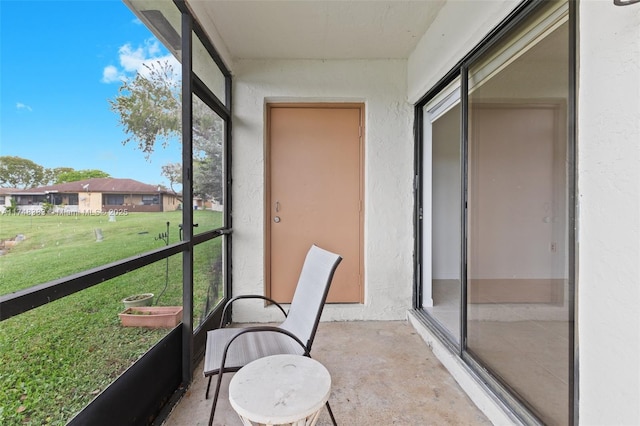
(311, 29)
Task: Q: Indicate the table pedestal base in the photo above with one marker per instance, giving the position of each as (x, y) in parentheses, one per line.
(308, 421)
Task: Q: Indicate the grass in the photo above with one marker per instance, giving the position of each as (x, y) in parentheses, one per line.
(59, 245)
(55, 359)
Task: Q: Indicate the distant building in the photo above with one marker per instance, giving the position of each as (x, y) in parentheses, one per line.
(200, 203)
(6, 194)
(93, 195)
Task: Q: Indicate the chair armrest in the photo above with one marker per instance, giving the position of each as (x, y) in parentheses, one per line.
(248, 296)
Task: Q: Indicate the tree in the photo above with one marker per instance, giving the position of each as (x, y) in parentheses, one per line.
(208, 134)
(173, 172)
(17, 172)
(149, 107)
(76, 175)
(21, 173)
(52, 174)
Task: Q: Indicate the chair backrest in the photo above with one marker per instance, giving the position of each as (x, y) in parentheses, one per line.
(311, 293)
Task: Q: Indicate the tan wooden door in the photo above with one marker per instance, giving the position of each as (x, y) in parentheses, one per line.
(314, 194)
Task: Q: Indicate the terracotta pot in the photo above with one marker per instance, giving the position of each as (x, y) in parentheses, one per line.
(143, 299)
(151, 317)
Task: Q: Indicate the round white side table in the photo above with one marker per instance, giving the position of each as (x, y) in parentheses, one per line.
(280, 390)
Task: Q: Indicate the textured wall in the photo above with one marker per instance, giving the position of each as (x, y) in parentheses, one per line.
(460, 25)
(381, 85)
(609, 218)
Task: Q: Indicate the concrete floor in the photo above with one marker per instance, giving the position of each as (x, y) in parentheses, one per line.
(382, 374)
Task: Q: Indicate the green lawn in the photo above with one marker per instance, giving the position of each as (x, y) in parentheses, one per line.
(56, 358)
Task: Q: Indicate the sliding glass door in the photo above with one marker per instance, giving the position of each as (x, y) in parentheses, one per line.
(497, 222)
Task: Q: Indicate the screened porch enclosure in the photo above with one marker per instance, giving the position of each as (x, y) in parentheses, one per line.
(225, 82)
(467, 191)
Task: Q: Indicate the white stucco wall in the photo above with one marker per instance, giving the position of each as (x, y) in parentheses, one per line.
(460, 26)
(388, 235)
(609, 214)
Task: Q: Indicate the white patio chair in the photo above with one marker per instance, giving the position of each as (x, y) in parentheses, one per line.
(229, 349)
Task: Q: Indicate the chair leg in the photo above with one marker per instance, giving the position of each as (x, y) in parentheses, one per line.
(206, 395)
(333, 419)
(215, 397)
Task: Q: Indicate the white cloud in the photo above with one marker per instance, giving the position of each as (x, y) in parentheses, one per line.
(132, 61)
(21, 106)
(111, 74)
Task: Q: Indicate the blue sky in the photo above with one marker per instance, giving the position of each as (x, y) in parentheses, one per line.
(60, 61)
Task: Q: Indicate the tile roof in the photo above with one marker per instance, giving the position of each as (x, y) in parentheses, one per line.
(103, 185)
(10, 190)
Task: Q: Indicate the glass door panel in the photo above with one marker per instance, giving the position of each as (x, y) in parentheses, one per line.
(442, 221)
(518, 288)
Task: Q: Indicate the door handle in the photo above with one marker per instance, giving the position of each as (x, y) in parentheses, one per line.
(276, 219)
